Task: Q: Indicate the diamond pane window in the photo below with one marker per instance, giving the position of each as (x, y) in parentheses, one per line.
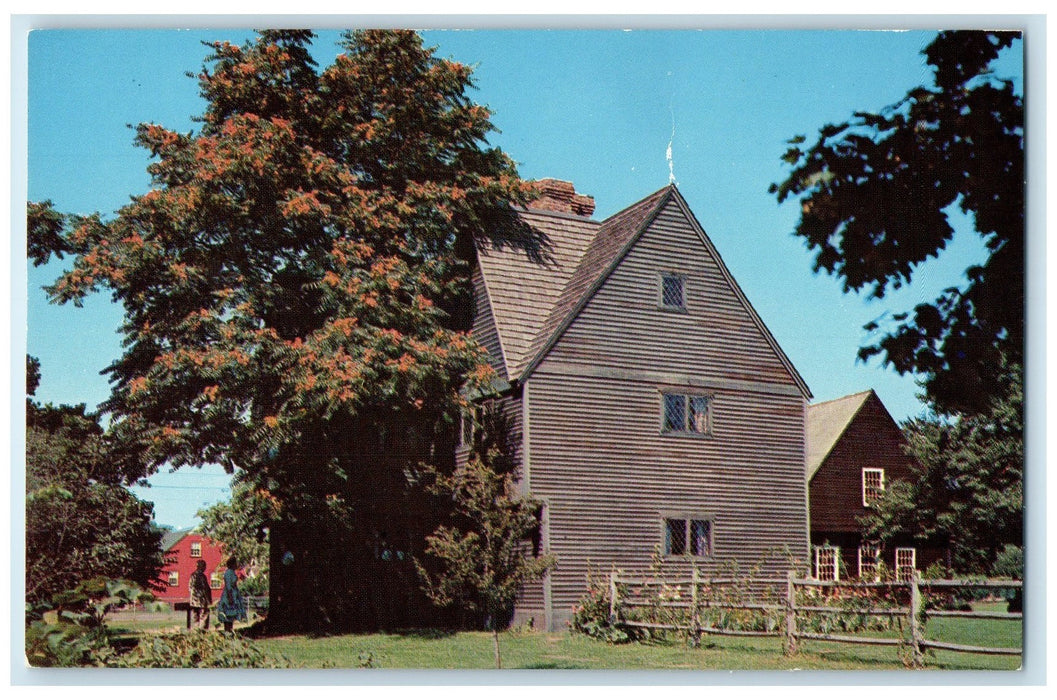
(701, 538)
(698, 414)
(672, 292)
(674, 536)
(691, 536)
(873, 485)
(686, 414)
(674, 412)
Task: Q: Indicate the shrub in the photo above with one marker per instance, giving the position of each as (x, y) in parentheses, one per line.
(197, 649)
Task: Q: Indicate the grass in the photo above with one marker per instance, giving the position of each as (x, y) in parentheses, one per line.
(432, 649)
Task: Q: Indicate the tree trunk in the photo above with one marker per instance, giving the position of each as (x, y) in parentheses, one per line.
(495, 644)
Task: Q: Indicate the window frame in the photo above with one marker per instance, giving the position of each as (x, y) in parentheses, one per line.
(871, 551)
(662, 278)
(900, 568)
(174, 578)
(868, 489)
(836, 562)
(687, 520)
(196, 550)
(687, 420)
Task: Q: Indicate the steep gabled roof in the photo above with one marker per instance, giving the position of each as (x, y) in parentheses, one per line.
(533, 304)
(826, 422)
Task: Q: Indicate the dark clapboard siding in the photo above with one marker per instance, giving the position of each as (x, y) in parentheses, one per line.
(596, 454)
(871, 440)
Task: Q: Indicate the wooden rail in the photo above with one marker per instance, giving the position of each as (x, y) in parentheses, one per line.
(916, 613)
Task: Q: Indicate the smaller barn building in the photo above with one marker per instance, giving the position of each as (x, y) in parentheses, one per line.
(183, 550)
(855, 450)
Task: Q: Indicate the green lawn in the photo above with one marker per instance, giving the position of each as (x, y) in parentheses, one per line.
(535, 650)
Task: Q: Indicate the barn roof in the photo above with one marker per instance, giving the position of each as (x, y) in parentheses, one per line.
(826, 422)
(170, 538)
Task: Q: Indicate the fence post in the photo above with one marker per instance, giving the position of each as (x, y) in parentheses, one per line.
(695, 624)
(915, 617)
(612, 596)
(790, 615)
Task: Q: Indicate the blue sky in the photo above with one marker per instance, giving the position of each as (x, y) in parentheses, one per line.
(598, 108)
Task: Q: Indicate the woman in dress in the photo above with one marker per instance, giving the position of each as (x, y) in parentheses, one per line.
(232, 606)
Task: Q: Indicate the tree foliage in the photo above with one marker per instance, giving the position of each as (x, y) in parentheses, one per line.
(969, 489)
(876, 193)
(486, 556)
(81, 521)
(241, 526)
(296, 282)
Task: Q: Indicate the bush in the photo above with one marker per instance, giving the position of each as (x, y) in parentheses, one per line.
(591, 614)
(197, 649)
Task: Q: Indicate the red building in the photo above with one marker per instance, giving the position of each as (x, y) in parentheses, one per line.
(183, 550)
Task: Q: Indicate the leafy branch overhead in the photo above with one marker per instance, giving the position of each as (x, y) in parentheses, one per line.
(876, 194)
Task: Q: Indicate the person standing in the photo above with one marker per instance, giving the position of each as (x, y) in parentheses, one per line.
(201, 596)
(232, 606)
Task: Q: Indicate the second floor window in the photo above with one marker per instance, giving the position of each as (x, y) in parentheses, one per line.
(196, 549)
(873, 485)
(684, 413)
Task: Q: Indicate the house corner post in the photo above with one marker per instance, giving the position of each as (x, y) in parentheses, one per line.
(613, 596)
(695, 618)
(790, 615)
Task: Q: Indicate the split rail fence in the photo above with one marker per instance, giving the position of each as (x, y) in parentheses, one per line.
(686, 614)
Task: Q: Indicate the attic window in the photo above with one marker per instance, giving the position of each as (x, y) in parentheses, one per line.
(673, 291)
(196, 549)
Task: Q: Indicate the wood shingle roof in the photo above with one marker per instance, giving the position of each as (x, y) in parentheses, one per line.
(826, 422)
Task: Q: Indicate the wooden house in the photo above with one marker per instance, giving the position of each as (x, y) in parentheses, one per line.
(183, 549)
(653, 413)
(855, 450)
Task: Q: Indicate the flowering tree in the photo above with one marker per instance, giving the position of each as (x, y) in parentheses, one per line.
(296, 289)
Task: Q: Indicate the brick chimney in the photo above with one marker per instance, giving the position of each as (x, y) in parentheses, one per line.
(561, 196)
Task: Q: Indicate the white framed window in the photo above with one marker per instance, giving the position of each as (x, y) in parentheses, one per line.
(873, 485)
(906, 563)
(688, 535)
(686, 413)
(673, 291)
(174, 579)
(216, 581)
(827, 563)
(869, 556)
(196, 549)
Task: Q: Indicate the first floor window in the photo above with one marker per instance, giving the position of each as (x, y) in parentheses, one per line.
(685, 413)
(873, 485)
(174, 578)
(906, 563)
(216, 581)
(196, 549)
(869, 555)
(827, 563)
(691, 536)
